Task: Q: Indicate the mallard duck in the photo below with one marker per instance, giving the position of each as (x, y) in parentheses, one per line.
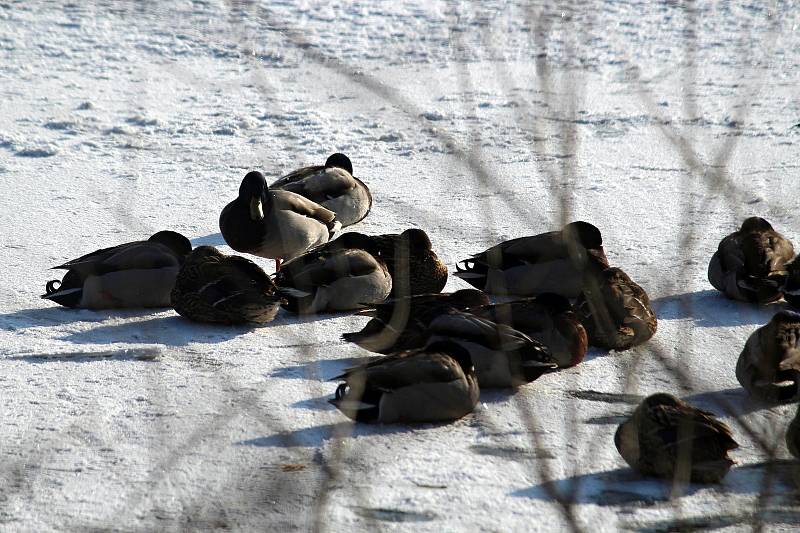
(527, 266)
(135, 274)
(791, 285)
(750, 264)
(793, 435)
(414, 266)
(333, 280)
(668, 438)
(432, 384)
(614, 309)
(332, 186)
(402, 323)
(278, 225)
(503, 357)
(769, 365)
(547, 318)
(226, 289)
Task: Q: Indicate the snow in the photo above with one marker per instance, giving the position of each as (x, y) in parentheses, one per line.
(665, 125)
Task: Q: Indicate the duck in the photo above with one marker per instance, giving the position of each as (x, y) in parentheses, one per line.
(793, 435)
(224, 289)
(436, 383)
(326, 280)
(137, 274)
(527, 266)
(750, 264)
(400, 324)
(279, 225)
(414, 266)
(791, 285)
(665, 431)
(332, 186)
(769, 364)
(547, 318)
(503, 357)
(614, 309)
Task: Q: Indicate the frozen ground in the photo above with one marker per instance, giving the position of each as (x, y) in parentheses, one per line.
(663, 125)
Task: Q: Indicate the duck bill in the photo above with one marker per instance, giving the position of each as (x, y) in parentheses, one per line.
(256, 209)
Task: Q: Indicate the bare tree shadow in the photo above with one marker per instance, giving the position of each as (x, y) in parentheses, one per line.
(710, 308)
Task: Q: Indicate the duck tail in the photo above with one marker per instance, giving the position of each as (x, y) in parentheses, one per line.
(67, 292)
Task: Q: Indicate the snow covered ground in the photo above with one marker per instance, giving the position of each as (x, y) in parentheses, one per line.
(663, 124)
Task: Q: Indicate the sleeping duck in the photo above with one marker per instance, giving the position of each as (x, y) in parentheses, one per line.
(414, 266)
(503, 357)
(791, 286)
(332, 186)
(750, 264)
(135, 274)
(274, 224)
(793, 435)
(547, 318)
(527, 266)
(402, 323)
(769, 365)
(333, 280)
(433, 384)
(614, 309)
(664, 432)
(225, 289)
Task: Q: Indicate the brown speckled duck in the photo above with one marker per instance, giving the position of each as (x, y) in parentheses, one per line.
(547, 318)
(332, 186)
(550, 262)
(769, 365)
(615, 310)
(432, 384)
(402, 323)
(224, 289)
(668, 438)
(750, 264)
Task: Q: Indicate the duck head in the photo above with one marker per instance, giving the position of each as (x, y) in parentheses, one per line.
(416, 239)
(174, 241)
(755, 224)
(253, 190)
(338, 160)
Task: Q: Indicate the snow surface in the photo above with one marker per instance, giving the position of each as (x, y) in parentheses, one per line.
(663, 124)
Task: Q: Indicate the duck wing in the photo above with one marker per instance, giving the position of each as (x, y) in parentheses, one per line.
(289, 201)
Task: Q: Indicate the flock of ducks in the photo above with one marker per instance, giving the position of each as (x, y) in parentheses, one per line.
(560, 295)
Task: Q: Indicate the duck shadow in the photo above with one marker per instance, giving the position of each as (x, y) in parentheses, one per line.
(710, 308)
(314, 437)
(167, 330)
(53, 316)
(624, 486)
(320, 370)
(212, 239)
(730, 402)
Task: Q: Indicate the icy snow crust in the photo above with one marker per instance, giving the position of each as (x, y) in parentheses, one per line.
(118, 119)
